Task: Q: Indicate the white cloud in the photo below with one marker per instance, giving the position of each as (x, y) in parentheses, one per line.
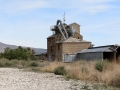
(94, 6)
(97, 8)
(26, 33)
(95, 1)
(89, 6)
(20, 5)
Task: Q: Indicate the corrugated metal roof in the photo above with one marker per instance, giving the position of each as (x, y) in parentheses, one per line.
(104, 49)
(111, 46)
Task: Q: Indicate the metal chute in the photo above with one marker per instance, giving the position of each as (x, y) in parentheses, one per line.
(57, 24)
(61, 32)
(60, 28)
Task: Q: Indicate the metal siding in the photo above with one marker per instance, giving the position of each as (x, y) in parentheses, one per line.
(95, 56)
(89, 56)
(49, 58)
(69, 58)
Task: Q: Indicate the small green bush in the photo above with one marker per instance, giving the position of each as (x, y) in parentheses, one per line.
(4, 63)
(23, 63)
(8, 64)
(34, 69)
(99, 66)
(60, 70)
(15, 63)
(1, 64)
(34, 64)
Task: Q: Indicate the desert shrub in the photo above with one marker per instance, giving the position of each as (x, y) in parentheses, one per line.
(15, 63)
(116, 81)
(22, 62)
(8, 64)
(33, 64)
(99, 66)
(1, 64)
(60, 70)
(4, 63)
(103, 66)
(34, 69)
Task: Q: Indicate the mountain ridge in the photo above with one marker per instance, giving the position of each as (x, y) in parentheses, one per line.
(37, 50)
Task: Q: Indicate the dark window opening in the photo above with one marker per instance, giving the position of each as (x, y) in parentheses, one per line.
(51, 49)
(58, 47)
(78, 37)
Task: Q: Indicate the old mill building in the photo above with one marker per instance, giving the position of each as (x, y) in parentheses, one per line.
(66, 44)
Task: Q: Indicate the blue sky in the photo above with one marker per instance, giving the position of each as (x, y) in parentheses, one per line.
(27, 22)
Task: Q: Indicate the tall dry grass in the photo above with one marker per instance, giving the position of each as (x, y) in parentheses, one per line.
(85, 70)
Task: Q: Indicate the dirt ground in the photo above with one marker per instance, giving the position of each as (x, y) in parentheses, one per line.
(18, 79)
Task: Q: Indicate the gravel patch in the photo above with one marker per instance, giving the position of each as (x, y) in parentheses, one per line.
(18, 79)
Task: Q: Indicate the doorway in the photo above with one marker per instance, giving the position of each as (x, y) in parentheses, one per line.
(108, 56)
(118, 54)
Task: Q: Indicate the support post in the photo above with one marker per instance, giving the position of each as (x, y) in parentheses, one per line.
(114, 58)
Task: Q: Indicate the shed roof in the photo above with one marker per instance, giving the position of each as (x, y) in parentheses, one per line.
(111, 46)
(103, 49)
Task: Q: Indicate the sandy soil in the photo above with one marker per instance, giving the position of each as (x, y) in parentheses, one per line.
(17, 79)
